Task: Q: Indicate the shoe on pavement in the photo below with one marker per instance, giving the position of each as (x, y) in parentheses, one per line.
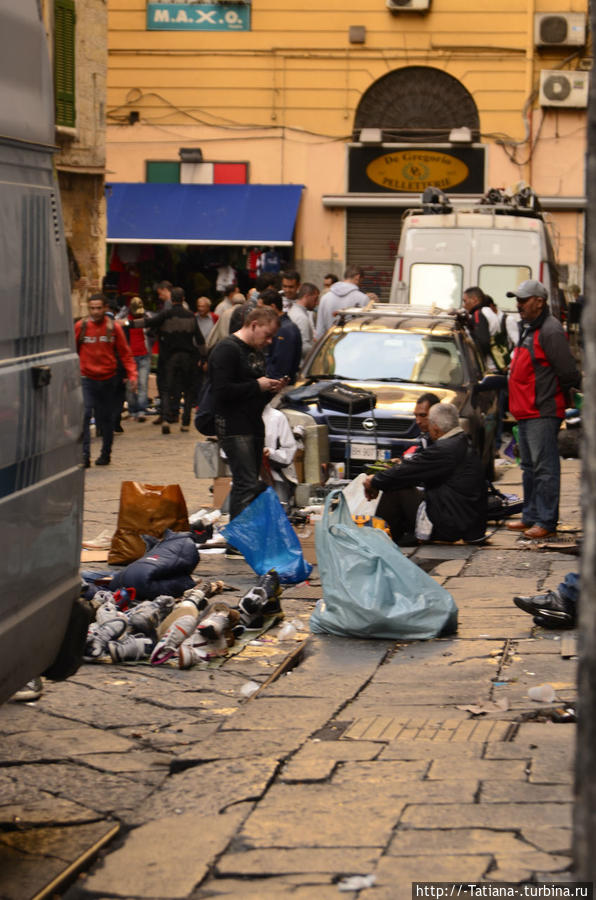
(551, 607)
(118, 429)
(103, 541)
(99, 636)
(165, 429)
(178, 632)
(537, 533)
(184, 428)
(31, 691)
(102, 460)
(158, 420)
(140, 418)
(518, 525)
(86, 462)
(188, 655)
(131, 648)
(108, 611)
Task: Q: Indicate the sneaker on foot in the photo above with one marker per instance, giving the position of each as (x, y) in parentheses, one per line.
(32, 691)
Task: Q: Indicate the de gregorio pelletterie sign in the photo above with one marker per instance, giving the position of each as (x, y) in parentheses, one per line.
(409, 170)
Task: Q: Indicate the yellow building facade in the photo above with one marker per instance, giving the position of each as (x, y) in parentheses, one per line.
(307, 93)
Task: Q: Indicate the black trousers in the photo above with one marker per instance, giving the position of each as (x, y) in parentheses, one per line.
(180, 370)
(399, 509)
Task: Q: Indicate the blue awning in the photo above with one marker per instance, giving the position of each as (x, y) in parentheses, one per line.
(242, 214)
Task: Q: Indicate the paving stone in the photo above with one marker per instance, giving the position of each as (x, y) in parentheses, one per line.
(456, 841)
(552, 766)
(367, 817)
(141, 762)
(104, 793)
(443, 551)
(241, 744)
(497, 591)
(278, 713)
(63, 744)
(307, 771)
(339, 862)
(23, 876)
(273, 889)
(431, 750)
(495, 815)
(501, 750)
(336, 750)
(496, 562)
(395, 875)
(42, 808)
(548, 838)
(137, 870)
(175, 738)
(512, 792)
(449, 569)
(480, 769)
(547, 734)
(16, 718)
(210, 788)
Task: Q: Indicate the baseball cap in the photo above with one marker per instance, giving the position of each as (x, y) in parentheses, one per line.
(529, 289)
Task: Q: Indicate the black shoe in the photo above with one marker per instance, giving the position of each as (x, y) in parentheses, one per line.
(102, 460)
(165, 429)
(118, 429)
(551, 607)
(86, 462)
(407, 540)
(158, 420)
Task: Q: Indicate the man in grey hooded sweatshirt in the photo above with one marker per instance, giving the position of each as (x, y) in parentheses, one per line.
(341, 295)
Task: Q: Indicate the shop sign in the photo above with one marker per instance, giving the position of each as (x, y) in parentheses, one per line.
(198, 16)
(411, 170)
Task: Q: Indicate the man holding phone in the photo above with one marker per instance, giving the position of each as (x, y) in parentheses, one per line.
(241, 390)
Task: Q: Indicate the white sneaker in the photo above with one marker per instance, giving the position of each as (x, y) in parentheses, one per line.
(31, 691)
(103, 541)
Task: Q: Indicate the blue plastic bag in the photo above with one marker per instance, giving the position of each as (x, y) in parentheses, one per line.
(264, 536)
(370, 589)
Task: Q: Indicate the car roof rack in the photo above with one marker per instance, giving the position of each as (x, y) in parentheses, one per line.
(388, 309)
(518, 201)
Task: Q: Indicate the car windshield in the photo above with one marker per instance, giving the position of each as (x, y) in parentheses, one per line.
(389, 356)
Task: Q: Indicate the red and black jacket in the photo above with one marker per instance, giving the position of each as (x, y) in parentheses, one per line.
(542, 370)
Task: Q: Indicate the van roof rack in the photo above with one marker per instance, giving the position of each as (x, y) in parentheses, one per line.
(518, 201)
(388, 309)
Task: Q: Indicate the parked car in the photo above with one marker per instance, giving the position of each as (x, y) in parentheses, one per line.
(397, 353)
(42, 622)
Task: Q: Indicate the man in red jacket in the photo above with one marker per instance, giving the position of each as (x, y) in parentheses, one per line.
(100, 344)
(542, 371)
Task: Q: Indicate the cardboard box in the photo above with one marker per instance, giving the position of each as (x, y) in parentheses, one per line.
(308, 544)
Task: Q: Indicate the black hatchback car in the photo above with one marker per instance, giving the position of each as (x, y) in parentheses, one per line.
(397, 353)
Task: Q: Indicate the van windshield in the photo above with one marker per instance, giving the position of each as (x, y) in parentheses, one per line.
(497, 280)
(436, 284)
(389, 356)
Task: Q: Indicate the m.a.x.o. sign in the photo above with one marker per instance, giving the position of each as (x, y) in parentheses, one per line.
(198, 17)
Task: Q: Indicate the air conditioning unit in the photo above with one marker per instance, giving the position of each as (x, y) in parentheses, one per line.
(559, 29)
(564, 88)
(397, 6)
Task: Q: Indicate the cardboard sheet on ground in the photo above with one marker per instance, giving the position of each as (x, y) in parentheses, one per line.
(239, 645)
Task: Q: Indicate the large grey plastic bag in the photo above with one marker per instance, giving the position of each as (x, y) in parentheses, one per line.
(370, 589)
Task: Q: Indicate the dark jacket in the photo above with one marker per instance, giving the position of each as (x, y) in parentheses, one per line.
(238, 401)
(542, 370)
(178, 330)
(478, 326)
(164, 569)
(455, 487)
(285, 351)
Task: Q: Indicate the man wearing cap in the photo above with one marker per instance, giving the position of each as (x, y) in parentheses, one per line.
(542, 372)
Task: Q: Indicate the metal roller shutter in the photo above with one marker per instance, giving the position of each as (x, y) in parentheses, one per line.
(372, 238)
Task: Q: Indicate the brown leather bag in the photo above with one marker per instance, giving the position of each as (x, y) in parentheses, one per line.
(146, 509)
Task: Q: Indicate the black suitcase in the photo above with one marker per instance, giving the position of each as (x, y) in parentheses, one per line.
(350, 400)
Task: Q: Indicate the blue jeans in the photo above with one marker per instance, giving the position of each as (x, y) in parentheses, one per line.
(137, 402)
(99, 400)
(244, 453)
(541, 468)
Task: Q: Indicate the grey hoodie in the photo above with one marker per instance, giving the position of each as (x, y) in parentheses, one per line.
(339, 296)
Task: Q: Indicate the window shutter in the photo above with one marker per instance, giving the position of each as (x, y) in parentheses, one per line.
(64, 62)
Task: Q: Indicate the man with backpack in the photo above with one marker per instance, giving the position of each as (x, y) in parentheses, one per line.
(101, 344)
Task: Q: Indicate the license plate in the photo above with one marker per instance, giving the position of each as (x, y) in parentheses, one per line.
(363, 451)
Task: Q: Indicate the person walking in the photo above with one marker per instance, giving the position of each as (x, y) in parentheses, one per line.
(101, 345)
(137, 338)
(301, 314)
(183, 347)
(339, 296)
(542, 371)
(240, 391)
(283, 356)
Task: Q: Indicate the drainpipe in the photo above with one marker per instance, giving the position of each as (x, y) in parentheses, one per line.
(530, 86)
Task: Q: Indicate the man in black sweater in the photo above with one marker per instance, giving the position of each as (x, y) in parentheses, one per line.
(241, 390)
(454, 487)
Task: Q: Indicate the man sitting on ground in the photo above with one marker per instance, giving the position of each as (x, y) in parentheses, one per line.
(452, 503)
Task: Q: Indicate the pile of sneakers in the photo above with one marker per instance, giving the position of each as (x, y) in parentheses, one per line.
(126, 636)
(261, 600)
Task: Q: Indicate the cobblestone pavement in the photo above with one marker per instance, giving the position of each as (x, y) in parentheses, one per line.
(412, 762)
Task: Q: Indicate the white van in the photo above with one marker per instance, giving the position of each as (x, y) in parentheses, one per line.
(494, 245)
(42, 625)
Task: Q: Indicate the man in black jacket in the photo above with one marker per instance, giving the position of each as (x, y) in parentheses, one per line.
(454, 487)
(181, 347)
(241, 390)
